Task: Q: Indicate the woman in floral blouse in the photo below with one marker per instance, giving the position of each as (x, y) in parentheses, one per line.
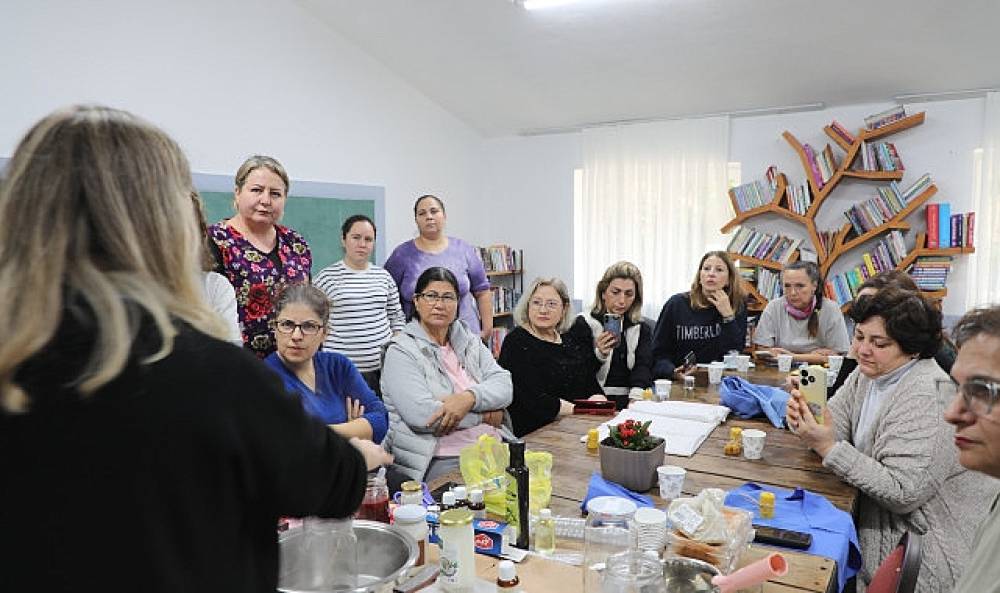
(256, 253)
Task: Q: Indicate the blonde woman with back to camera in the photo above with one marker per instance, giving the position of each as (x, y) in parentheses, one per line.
(128, 429)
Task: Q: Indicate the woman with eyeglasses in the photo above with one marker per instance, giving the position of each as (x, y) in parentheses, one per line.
(329, 384)
(441, 385)
(622, 343)
(884, 434)
(802, 322)
(432, 247)
(548, 371)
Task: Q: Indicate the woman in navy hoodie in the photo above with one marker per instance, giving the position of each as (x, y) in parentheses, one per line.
(709, 320)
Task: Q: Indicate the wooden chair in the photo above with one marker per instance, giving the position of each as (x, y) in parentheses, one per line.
(898, 572)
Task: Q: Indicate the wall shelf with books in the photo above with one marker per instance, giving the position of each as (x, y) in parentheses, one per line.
(879, 220)
(505, 269)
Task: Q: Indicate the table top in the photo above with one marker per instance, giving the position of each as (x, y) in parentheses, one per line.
(785, 463)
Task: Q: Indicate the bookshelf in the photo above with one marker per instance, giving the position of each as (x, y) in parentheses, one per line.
(505, 269)
(881, 217)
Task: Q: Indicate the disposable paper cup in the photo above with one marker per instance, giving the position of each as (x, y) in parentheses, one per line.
(743, 363)
(715, 372)
(671, 481)
(834, 362)
(753, 443)
(730, 359)
(784, 363)
(662, 389)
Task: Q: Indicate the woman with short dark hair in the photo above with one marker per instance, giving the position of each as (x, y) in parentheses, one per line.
(884, 434)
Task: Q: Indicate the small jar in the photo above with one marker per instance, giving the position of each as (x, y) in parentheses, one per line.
(689, 385)
(477, 503)
(433, 521)
(411, 493)
(375, 504)
(412, 518)
(458, 555)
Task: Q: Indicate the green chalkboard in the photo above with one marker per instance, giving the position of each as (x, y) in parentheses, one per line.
(317, 219)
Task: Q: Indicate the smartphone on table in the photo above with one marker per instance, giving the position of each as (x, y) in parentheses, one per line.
(782, 537)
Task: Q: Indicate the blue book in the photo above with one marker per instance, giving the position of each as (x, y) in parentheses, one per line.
(944, 225)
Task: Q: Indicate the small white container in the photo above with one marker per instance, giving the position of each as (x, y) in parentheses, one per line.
(753, 443)
(715, 372)
(671, 479)
(412, 518)
(458, 554)
(743, 363)
(662, 389)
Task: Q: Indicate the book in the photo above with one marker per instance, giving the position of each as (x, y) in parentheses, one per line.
(842, 131)
(972, 228)
(884, 118)
(944, 224)
(931, 211)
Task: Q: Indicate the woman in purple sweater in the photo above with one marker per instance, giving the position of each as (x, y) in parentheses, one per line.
(433, 248)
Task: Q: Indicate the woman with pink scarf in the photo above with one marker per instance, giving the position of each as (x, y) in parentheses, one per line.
(802, 322)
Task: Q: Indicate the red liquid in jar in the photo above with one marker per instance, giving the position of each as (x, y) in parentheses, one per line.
(376, 509)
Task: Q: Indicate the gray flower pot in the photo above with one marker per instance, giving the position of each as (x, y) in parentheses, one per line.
(635, 470)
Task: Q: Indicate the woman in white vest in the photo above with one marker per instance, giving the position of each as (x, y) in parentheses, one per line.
(622, 342)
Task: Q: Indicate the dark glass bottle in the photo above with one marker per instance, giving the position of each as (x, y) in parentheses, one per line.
(517, 493)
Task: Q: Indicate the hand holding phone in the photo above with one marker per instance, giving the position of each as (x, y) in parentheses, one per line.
(613, 324)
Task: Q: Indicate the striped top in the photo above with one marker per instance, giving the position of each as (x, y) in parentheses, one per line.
(364, 312)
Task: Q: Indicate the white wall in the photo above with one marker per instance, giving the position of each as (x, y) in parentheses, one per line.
(533, 176)
(228, 78)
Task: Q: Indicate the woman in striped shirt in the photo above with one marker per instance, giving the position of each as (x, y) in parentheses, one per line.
(365, 310)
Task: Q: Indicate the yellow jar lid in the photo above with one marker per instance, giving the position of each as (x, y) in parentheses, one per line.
(456, 517)
(411, 486)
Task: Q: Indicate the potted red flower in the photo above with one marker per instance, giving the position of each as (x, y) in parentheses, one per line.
(630, 455)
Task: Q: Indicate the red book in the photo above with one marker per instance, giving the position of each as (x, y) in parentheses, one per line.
(972, 227)
(932, 226)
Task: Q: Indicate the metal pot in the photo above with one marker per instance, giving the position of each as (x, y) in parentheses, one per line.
(385, 556)
(687, 575)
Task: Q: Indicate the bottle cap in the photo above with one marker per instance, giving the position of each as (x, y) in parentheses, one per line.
(476, 495)
(460, 492)
(506, 571)
(545, 513)
(411, 486)
(516, 449)
(767, 498)
(456, 517)
(448, 498)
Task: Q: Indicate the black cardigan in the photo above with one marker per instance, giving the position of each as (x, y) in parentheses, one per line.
(170, 478)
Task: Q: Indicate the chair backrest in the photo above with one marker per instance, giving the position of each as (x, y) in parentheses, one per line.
(898, 572)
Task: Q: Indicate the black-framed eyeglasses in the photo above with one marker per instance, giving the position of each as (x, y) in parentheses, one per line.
(433, 297)
(978, 395)
(287, 326)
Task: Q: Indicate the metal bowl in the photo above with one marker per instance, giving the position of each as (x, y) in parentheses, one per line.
(385, 556)
(687, 575)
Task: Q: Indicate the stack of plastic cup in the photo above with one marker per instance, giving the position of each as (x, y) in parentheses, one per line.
(651, 529)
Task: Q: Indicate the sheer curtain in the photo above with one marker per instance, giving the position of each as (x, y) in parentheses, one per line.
(653, 194)
(984, 264)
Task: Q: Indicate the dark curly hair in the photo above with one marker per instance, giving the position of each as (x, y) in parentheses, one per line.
(909, 319)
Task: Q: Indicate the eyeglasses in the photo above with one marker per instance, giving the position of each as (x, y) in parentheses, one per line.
(978, 395)
(433, 297)
(550, 305)
(287, 326)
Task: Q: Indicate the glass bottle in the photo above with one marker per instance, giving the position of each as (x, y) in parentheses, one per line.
(375, 504)
(607, 531)
(507, 580)
(458, 555)
(545, 533)
(448, 501)
(412, 518)
(477, 503)
(330, 555)
(460, 496)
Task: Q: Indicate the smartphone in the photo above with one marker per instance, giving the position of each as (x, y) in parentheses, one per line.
(613, 324)
(782, 537)
(690, 359)
(812, 385)
(437, 492)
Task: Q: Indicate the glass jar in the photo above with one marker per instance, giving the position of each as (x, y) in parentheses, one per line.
(412, 518)
(411, 493)
(607, 531)
(458, 554)
(633, 572)
(375, 504)
(330, 555)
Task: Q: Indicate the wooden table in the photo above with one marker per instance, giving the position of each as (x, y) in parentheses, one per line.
(785, 463)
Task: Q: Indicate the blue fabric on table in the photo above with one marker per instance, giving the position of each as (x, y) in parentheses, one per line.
(747, 399)
(833, 532)
(600, 487)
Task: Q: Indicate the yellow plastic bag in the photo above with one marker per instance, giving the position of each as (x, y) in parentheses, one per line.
(484, 465)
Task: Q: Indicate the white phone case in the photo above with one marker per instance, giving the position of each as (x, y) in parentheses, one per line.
(812, 385)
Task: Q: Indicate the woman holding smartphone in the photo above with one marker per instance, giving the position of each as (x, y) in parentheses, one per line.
(708, 321)
(623, 344)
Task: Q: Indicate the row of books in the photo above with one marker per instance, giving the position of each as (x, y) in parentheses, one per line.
(884, 118)
(840, 130)
(504, 299)
(930, 272)
(799, 198)
(496, 340)
(881, 156)
(768, 283)
(886, 255)
(500, 258)
(826, 240)
(822, 165)
(765, 246)
(752, 195)
(945, 229)
(889, 202)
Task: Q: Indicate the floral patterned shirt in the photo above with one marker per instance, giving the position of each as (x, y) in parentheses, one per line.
(256, 276)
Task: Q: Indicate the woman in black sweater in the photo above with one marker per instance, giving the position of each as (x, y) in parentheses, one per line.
(549, 370)
(709, 320)
(130, 434)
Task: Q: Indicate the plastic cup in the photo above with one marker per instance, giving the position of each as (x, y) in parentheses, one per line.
(834, 362)
(662, 389)
(671, 479)
(730, 359)
(785, 363)
(651, 528)
(743, 363)
(753, 443)
(715, 372)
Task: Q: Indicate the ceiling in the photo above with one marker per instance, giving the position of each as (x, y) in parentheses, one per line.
(504, 70)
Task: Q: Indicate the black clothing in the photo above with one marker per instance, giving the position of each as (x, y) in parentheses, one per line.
(618, 373)
(682, 329)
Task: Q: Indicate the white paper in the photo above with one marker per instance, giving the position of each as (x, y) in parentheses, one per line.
(683, 435)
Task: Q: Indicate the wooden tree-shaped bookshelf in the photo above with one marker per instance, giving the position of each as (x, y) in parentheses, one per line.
(843, 241)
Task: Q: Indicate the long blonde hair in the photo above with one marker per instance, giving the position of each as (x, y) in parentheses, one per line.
(620, 270)
(96, 209)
